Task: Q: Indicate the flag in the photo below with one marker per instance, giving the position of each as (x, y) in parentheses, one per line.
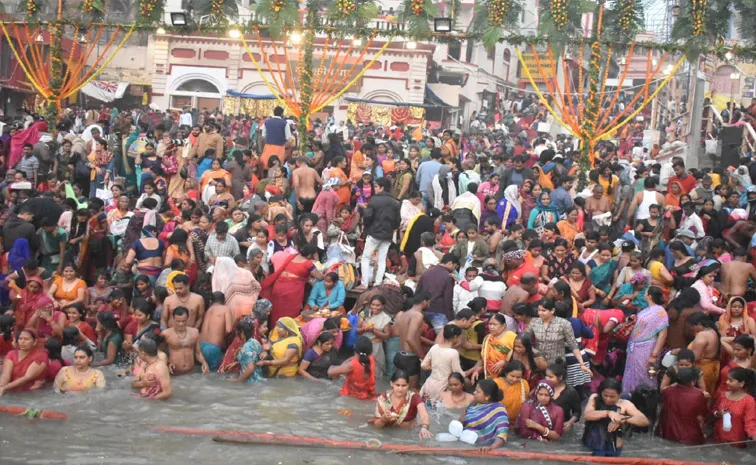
(105, 91)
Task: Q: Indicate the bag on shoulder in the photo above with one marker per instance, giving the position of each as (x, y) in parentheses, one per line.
(543, 179)
(136, 147)
(347, 274)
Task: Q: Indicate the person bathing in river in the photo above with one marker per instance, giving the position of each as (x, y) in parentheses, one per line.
(399, 407)
(154, 380)
(183, 344)
(217, 323)
(359, 371)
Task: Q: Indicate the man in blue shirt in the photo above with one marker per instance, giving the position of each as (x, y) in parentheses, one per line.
(560, 197)
(425, 173)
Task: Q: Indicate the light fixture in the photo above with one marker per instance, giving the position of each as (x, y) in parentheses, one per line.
(234, 33)
(39, 38)
(411, 45)
(357, 42)
(442, 24)
(160, 31)
(296, 37)
(178, 18)
(668, 69)
(622, 61)
(735, 76)
(654, 62)
(729, 56)
(83, 38)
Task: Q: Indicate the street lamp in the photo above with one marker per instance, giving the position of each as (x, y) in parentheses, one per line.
(160, 31)
(357, 42)
(234, 33)
(442, 24)
(296, 37)
(178, 18)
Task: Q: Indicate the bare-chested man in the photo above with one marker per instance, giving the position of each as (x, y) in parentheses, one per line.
(154, 381)
(183, 344)
(735, 274)
(218, 322)
(519, 293)
(741, 233)
(706, 348)
(493, 231)
(183, 298)
(408, 325)
(304, 180)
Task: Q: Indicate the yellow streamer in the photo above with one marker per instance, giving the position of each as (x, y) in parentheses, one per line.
(103, 65)
(356, 78)
(540, 95)
(606, 134)
(20, 61)
(272, 90)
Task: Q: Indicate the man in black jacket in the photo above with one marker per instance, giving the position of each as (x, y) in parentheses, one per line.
(20, 227)
(381, 219)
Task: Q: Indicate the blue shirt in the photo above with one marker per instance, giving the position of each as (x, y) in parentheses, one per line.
(425, 173)
(333, 301)
(204, 165)
(561, 199)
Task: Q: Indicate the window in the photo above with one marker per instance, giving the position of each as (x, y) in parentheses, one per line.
(198, 85)
(507, 56)
(455, 50)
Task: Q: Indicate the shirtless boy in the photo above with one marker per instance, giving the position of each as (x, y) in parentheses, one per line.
(183, 344)
(408, 325)
(218, 322)
(304, 180)
(154, 381)
(735, 274)
(183, 298)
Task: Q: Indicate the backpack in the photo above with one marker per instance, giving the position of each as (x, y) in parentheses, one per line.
(136, 147)
(543, 179)
(347, 274)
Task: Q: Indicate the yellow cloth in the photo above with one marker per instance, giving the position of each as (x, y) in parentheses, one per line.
(710, 372)
(514, 396)
(496, 349)
(471, 336)
(279, 346)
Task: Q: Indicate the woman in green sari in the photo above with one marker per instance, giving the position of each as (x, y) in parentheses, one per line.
(602, 275)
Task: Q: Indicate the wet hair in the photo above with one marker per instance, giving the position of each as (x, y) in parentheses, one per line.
(247, 328)
(742, 375)
(656, 295)
(108, 321)
(451, 331)
(143, 306)
(686, 376)
(491, 390)
(324, 337)
(464, 314)
(558, 368)
(179, 311)
(149, 347)
(142, 279)
(513, 365)
(70, 335)
(181, 279)
(332, 276)
(160, 293)
(745, 341)
(523, 309)
(608, 384)
(364, 349)
(6, 326)
(458, 377)
(686, 354)
(86, 349)
(219, 298)
(53, 347)
(399, 374)
(332, 323)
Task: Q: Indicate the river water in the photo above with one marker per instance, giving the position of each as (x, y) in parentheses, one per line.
(115, 427)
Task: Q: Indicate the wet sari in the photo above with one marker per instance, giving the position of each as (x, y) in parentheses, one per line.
(279, 346)
(651, 321)
(286, 292)
(238, 284)
(488, 421)
(550, 416)
(496, 349)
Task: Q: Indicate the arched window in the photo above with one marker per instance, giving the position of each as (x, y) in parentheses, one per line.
(198, 85)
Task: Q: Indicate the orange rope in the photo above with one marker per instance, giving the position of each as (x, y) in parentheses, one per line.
(290, 77)
(600, 21)
(34, 60)
(550, 86)
(344, 83)
(281, 89)
(648, 68)
(318, 78)
(649, 79)
(83, 59)
(329, 91)
(566, 111)
(83, 77)
(320, 90)
(71, 54)
(580, 81)
(603, 81)
(619, 87)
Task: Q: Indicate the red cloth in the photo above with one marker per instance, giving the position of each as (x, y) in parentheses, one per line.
(5, 346)
(415, 400)
(85, 329)
(597, 319)
(131, 329)
(679, 419)
(358, 384)
(286, 293)
(743, 420)
(688, 184)
(20, 367)
(52, 370)
(21, 138)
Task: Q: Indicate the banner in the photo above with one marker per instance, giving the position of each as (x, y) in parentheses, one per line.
(105, 91)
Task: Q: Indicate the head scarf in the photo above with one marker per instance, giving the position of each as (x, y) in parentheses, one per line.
(544, 384)
(542, 208)
(514, 255)
(262, 309)
(639, 278)
(19, 254)
(727, 317)
(512, 194)
(672, 199)
(290, 325)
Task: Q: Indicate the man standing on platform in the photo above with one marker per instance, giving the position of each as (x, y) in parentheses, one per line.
(276, 132)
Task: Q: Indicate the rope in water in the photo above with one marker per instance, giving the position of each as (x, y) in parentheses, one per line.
(33, 413)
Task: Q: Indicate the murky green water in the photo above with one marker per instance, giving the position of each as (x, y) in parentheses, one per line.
(115, 427)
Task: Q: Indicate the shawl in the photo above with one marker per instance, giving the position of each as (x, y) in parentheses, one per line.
(725, 320)
(30, 135)
(542, 408)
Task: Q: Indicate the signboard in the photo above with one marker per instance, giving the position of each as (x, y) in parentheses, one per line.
(529, 60)
(749, 89)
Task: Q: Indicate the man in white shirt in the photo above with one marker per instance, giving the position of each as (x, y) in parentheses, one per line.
(186, 118)
(666, 172)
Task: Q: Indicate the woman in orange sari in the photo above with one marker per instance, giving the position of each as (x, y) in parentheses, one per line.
(215, 172)
(672, 199)
(285, 288)
(343, 190)
(498, 346)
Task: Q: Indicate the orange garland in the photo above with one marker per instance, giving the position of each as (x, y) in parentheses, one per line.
(319, 89)
(580, 80)
(606, 76)
(550, 87)
(281, 89)
(622, 79)
(319, 73)
(566, 110)
(289, 76)
(328, 91)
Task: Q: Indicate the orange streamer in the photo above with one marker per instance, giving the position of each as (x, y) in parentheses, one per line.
(330, 91)
(550, 87)
(318, 78)
(321, 89)
(622, 79)
(33, 61)
(580, 81)
(290, 77)
(606, 76)
(566, 110)
(93, 69)
(281, 89)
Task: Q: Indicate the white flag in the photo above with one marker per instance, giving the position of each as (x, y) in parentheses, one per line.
(105, 91)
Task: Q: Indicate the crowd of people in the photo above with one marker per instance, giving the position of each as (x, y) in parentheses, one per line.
(483, 271)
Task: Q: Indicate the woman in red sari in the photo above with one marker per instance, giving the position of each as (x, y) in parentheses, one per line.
(285, 287)
(34, 309)
(25, 365)
(359, 371)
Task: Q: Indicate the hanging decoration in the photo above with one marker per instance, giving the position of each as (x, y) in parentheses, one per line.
(150, 11)
(417, 7)
(417, 17)
(492, 17)
(626, 14)
(698, 13)
(278, 15)
(31, 8)
(346, 7)
(350, 13)
(559, 14)
(588, 117)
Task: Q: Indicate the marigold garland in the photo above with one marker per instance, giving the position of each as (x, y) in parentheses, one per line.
(146, 7)
(216, 8)
(559, 13)
(698, 15)
(276, 6)
(31, 7)
(627, 15)
(498, 11)
(418, 7)
(87, 6)
(346, 7)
